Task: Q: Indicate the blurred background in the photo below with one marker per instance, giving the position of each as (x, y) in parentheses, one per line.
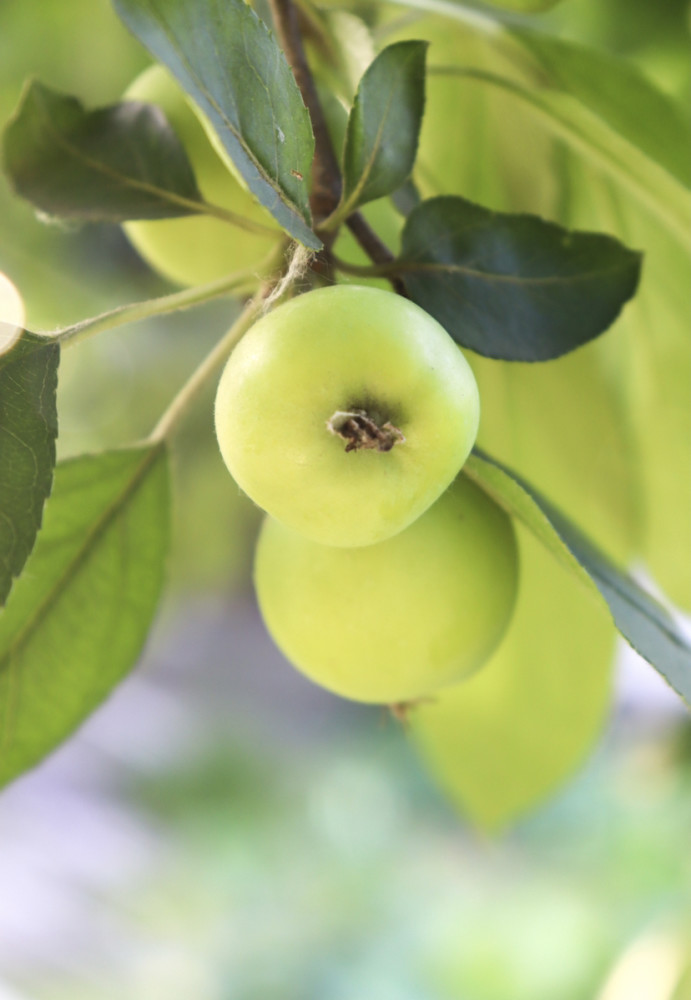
(222, 829)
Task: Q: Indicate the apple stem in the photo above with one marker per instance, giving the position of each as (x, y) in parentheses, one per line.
(361, 432)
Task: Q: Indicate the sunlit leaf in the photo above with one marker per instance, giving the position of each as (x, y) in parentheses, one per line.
(650, 368)
(603, 107)
(619, 93)
(77, 618)
(524, 6)
(642, 621)
(506, 738)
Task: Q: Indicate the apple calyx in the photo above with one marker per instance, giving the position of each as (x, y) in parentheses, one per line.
(360, 431)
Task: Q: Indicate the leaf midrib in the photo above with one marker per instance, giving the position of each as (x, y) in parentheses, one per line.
(162, 194)
(98, 528)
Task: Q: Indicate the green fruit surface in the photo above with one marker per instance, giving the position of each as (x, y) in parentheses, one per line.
(197, 249)
(336, 350)
(392, 622)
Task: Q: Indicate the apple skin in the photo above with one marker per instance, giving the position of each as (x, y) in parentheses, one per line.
(396, 621)
(197, 249)
(340, 349)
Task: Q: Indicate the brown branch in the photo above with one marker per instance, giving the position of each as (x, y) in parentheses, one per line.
(326, 176)
(376, 250)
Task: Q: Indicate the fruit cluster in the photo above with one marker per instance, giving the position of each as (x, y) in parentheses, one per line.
(347, 414)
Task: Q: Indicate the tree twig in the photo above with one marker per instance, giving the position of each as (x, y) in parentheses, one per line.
(326, 176)
(376, 250)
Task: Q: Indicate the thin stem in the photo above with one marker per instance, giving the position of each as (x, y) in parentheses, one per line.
(365, 270)
(196, 207)
(239, 221)
(376, 250)
(168, 422)
(240, 283)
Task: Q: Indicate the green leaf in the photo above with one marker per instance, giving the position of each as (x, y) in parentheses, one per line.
(77, 618)
(650, 366)
(642, 621)
(406, 197)
(602, 106)
(227, 60)
(510, 735)
(113, 164)
(525, 6)
(595, 139)
(618, 93)
(28, 429)
(567, 428)
(513, 286)
(344, 49)
(384, 124)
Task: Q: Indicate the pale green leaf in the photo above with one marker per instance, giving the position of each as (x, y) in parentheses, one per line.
(642, 621)
(508, 737)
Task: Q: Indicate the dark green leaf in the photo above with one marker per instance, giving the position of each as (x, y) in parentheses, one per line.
(513, 286)
(28, 428)
(230, 64)
(77, 618)
(113, 164)
(384, 124)
(642, 621)
(406, 197)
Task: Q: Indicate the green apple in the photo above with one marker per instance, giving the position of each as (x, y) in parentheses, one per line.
(393, 622)
(197, 249)
(345, 413)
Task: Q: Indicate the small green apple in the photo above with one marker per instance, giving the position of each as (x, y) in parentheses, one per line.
(345, 413)
(393, 622)
(197, 249)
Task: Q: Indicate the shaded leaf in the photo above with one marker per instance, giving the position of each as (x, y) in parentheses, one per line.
(406, 197)
(28, 429)
(384, 124)
(507, 737)
(643, 622)
(513, 286)
(227, 60)
(77, 618)
(112, 164)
